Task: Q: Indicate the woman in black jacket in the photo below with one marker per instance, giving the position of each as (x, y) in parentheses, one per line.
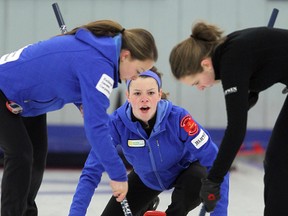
(247, 62)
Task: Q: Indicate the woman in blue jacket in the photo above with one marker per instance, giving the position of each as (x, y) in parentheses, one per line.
(166, 147)
(80, 67)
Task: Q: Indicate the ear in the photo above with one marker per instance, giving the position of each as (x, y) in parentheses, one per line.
(160, 94)
(127, 95)
(206, 63)
(124, 54)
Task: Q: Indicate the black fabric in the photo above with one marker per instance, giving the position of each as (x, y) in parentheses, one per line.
(37, 130)
(252, 99)
(138, 197)
(210, 194)
(276, 172)
(250, 60)
(148, 128)
(24, 144)
(185, 195)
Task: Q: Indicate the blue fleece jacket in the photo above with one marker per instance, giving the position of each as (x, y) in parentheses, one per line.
(79, 69)
(175, 141)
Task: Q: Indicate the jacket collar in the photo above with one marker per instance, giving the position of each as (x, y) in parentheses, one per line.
(109, 47)
(163, 109)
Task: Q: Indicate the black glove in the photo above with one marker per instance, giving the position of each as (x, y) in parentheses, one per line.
(209, 194)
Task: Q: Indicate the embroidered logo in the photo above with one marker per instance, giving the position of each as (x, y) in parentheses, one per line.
(189, 125)
(105, 85)
(230, 90)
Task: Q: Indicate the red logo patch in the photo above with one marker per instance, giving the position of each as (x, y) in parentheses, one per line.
(189, 125)
(211, 197)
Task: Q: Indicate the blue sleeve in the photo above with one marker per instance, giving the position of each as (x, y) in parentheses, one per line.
(88, 182)
(115, 128)
(200, 144)
(96, 84)
(208, 152)
(197, 140)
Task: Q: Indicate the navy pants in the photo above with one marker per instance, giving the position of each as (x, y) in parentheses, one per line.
(185, 195)
(24, 144)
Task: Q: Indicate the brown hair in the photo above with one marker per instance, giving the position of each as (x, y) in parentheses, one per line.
(185, 58)
(139, 42)
(159, 74)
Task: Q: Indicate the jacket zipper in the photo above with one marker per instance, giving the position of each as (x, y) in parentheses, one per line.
(36, 101)
(152, 161)
(158, 145)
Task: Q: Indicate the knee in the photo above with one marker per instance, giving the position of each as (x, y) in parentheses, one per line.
(23, 158)
(190, 180)
(26, 159)
(196, 172)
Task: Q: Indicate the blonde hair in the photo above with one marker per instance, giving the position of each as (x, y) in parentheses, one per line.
(139, 42)
(185, 58)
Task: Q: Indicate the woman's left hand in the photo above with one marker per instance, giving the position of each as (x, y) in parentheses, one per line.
(119, 189)
(210, 194)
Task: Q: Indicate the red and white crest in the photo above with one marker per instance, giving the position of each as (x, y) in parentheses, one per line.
(189, 125)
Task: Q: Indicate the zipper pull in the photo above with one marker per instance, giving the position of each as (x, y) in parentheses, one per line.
(158, 145)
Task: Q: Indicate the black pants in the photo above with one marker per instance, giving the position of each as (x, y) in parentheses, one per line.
(185, 195)
(276, 167)
(24, 143)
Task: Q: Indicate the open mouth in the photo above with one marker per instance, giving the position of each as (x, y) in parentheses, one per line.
(144, 108)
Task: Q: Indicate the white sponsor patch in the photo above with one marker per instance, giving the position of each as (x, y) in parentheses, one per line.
(136, 143)
(200, 139)
(105, 85)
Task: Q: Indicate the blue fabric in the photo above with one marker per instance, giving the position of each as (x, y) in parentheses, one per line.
(45, 76)
(88, 182)
(166, 153)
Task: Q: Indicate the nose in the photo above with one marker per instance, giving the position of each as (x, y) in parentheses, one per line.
(144, 99)
(200, 87)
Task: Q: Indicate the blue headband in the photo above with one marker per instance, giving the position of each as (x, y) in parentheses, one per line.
(149, 73)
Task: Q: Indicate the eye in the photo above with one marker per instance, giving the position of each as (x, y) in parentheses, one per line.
(151, 93)
(195, 84)
(137, 93)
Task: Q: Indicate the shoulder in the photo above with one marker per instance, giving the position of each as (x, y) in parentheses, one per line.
(120, 113)
(180, 116)
(178, 110)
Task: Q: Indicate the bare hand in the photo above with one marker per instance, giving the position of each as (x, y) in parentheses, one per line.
(119, 189)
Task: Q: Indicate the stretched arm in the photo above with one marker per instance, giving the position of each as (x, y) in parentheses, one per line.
(200, 143)
(221, 208)
(95, 100)
(88, 182)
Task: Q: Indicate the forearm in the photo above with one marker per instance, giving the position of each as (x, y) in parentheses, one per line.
(81, 199)
(88, 182)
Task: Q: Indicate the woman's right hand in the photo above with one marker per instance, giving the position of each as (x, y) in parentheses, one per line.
(119, 189)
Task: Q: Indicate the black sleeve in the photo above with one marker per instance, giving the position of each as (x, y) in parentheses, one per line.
(235, 80)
